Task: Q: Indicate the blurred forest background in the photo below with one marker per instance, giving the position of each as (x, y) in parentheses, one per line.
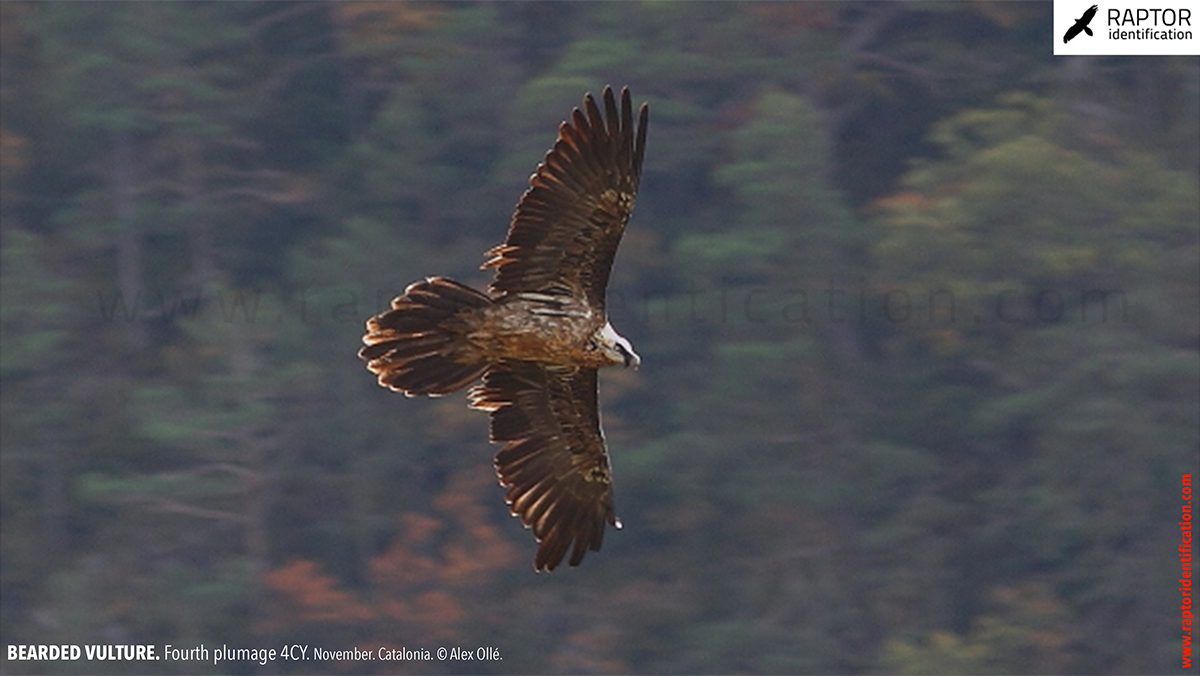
(917, 304)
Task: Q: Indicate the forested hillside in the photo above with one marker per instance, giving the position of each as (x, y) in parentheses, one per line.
(918, 307)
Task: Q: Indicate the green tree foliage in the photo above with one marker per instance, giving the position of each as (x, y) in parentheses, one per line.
(917, 305)
(1081, 417)
(1025, 630)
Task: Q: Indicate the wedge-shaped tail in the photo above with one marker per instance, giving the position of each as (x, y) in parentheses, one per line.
(419, 346)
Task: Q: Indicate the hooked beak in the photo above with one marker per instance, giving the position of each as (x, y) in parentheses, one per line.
(631, 359)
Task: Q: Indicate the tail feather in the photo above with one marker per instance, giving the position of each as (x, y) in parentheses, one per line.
(419, 346)
(432, 374)
(412, 345)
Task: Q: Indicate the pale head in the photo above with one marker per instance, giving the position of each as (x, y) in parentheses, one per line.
(616, 347)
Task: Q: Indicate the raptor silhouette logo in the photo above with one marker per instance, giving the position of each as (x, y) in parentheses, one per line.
(1081, 25)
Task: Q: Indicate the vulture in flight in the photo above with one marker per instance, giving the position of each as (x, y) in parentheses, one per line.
(538, 335)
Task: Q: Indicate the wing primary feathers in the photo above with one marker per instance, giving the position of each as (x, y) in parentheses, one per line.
(553, 463)
(536, 514)
(566, 228)
(583, 542)
(556, 521)
(640, 146)
(614, 122)
(595, 120)
(627, 149)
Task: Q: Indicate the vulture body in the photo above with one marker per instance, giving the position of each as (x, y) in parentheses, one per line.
(538, 335)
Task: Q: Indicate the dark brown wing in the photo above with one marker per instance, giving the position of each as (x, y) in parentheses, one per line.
(553, 463)
(566, 228)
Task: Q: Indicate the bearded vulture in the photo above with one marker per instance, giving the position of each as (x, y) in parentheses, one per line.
(539, 334)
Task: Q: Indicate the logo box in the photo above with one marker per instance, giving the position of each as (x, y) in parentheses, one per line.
(1126, 28)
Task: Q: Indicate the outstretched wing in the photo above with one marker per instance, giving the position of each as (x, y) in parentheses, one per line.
(553, 463)
(566, 228)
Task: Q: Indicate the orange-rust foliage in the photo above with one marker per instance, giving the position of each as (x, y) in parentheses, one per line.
(314, 596)
(385, 21)
(12, 164)
(375, 37)
(590, 651)
(420, 586)
(791, 16)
